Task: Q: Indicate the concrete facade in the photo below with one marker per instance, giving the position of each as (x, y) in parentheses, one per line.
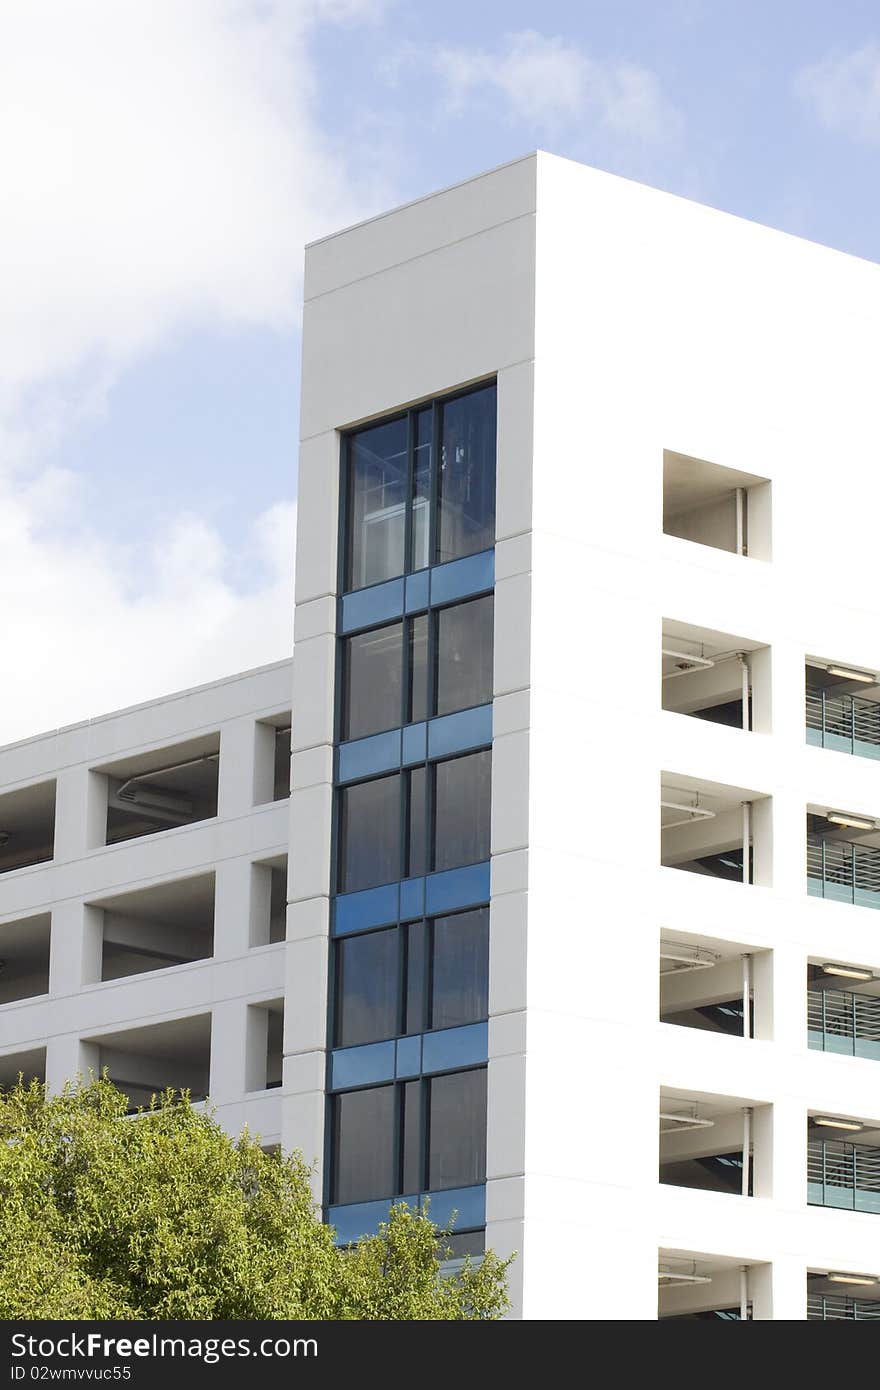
(686, 427)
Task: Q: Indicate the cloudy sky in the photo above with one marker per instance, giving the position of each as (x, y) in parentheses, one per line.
(162, 163)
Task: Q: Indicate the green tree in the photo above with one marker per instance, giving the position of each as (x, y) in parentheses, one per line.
(164, 1216)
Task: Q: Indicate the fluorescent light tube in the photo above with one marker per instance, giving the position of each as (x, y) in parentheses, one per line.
(835, 1122)
(849, 675)
(866, 1281)
(851, 822)
(847, 972)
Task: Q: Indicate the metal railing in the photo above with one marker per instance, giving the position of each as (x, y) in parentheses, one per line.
(843, 1175)
(847, 872)
(840, 1021)
(847, 723)
(833, 1307)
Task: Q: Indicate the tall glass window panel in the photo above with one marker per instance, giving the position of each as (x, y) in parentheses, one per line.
(417, 855)
(457, 1130)
(464, 655)
(363, 1145)
(369, 834)
(372, 681)
(460, 969)
(377, 481)
(411, 1177)
(421, 503)
(461, 810)
(418, 667)
(416, 975)
(366, 988)
(467, 475)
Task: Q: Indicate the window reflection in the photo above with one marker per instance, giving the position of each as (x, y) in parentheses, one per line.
(377, 471)
(402, 515)
(366, 988)
(460, 969)
(363, 1145)
(461, 810)
(372, 681)
(467, 475)
(464, 655)
(457, 1130)
(369, 834)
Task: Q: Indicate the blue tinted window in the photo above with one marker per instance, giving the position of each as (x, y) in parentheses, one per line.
(369, 834)
(366, 988)
(363, 1145)
(457, 1129)
(464, 655)
(460, 969)
(461, 810)
(372, 681)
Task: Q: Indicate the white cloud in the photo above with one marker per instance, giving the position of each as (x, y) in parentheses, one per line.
(551, 83)
(844, 92)
(162, 167)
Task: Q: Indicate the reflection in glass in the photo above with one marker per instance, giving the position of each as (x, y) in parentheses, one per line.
(461, 810)
(411, 1138)
(460, 969)
(421, 507)
(467, 475)
(418, 648)
(369, 834)
(416, 965)
(464, 655)
(418, 822)
(366, 988)
(377, 473)
(457, 1130)
(372, 681)
(363, 1145)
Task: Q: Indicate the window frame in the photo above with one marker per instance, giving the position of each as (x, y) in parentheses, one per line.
(435, 404)
(424, 986)
(399, 1088)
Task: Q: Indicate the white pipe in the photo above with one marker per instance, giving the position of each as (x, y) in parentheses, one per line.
(740, 521)
(743, 1293)
(747, 1144)
(747, 995)
(746, 837)
(744, 668)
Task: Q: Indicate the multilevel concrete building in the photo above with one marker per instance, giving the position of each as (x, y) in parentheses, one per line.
(582, 844)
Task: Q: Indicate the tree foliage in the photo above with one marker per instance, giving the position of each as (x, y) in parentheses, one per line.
(164, 1216)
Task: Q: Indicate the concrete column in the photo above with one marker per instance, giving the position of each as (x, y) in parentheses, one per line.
(778, 1291)
(232, 908)
(228, 1051)
(235, 795)
(68, 1057)
(72, 789)
(75, 947)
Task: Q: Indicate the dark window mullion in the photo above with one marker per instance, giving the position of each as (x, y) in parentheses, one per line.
(397, 1151)
(402, 977)
(406, 681)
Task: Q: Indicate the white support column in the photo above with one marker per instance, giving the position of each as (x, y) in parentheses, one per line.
(779, 1290)
(229, 1038)
(75, 947)
(67, 1057)
(235, 793)
(232, 908)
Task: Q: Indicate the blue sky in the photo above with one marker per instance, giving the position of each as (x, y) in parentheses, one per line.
(167, 164)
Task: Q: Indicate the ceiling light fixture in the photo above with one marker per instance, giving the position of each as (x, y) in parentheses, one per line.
(836, 1122)
(848, 972)
(671, 1276)
(865, 1281)
(851, 822)
(674, 1122)
(849, 675)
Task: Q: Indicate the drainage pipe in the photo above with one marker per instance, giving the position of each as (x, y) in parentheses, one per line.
(746, 837)
(747, 995)
(747, 1144)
